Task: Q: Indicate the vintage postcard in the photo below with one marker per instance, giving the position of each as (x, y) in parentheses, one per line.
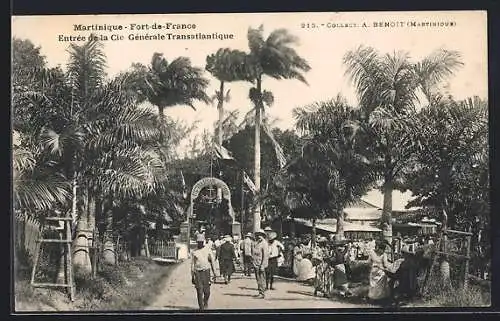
(210, 162)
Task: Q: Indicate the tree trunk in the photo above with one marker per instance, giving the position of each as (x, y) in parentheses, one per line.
(141, 231)
(109, 255)
(220, 109)
(387, 210)
(281, 226)
(313, 233)
(81, 258)
(445, 266)
(161, 114)
(142, 242)
(339, 236)
(256, 216)
(74, 188)
(91, 225)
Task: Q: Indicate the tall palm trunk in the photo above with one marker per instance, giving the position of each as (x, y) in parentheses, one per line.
(387, 212)
(220, 108)
(109, 254)
(313, 233)
(339, 236)
(161, 113)
(81, 256)
(387, 206)
(74, 187)
(444, 265)
(256, 215)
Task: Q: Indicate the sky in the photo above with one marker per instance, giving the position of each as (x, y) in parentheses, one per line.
(323, 47)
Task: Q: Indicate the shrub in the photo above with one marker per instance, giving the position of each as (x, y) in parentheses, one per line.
(470, 297)
(112, 274)
(87, 286)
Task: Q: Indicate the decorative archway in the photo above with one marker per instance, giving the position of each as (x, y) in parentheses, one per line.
(210, 181)
(195, 192)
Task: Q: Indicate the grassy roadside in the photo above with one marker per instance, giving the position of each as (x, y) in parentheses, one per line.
(128, 286)
(473, 296)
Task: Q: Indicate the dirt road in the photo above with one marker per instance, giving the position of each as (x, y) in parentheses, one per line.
(179, 294)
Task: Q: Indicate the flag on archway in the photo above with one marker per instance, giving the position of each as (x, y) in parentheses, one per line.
(222, 153)
(280, 155)
(249, 182)
(184, 188)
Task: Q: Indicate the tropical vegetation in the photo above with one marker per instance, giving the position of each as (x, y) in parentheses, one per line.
(103, 150)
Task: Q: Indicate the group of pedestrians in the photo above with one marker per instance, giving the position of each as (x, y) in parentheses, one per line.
(260, 252)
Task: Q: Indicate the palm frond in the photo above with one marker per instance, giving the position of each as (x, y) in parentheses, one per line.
(274, 56)
(23, 160)
(40, 192)
(228, 65)
(436, 67)
(87, 67)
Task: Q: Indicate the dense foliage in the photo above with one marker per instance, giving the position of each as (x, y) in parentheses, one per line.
(88, 145)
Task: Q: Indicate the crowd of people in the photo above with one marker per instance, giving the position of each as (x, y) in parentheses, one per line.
(327, 266)
(259, 253)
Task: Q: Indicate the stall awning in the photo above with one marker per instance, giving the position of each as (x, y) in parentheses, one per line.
(331, 226)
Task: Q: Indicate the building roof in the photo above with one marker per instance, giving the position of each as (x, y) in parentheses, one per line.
(362, 214)
(399, 199)
(361, 203)
(330, 225)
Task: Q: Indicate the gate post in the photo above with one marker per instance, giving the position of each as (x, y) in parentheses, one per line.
(185, 232)
(236, 229)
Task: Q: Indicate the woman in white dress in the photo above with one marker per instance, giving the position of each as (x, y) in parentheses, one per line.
(379, 286)
(305, 271)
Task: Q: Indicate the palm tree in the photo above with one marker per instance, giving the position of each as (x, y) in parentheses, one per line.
(122, 158)
(273, 57)
(88, 132)
(452, 145)
(333, 130)
(388, 88)
(226, 65)
(166, 84)
(451, 169)
(96, 132)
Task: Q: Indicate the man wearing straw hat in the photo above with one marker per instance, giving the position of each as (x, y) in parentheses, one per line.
(201, 262)
(275, 250)
(246, 253)
(260, 257)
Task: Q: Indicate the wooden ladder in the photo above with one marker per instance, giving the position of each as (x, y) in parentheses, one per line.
(67, 256)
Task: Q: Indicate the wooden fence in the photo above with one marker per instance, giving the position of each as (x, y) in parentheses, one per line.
(27, 232)
(164, 249)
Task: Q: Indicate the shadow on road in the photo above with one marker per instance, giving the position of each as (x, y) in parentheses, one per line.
(179, 307)
(301, 292)
(245, 288)
(338, 298)
(284, 299)
(240, 294)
